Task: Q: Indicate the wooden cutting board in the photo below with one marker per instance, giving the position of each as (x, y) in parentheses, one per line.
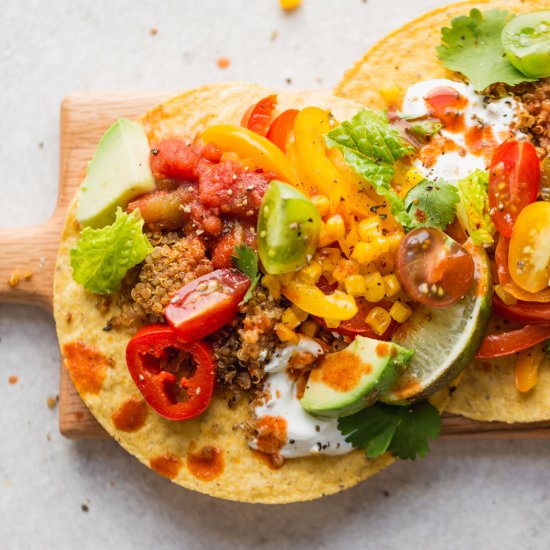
(28, 257)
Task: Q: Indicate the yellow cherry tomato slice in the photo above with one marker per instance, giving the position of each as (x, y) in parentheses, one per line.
(529, 256)
(253, 149)
(527, 368)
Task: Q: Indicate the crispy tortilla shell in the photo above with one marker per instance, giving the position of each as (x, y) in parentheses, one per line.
(405, 56)
(208, 454)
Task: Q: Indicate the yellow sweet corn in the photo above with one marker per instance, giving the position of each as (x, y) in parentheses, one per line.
(328, 258)
(309, 328)
(379, 320)
(400, 312)
(286, 334)
(301, 315)
(335, 227)
(322, 204)
(391, 95)
(362, 253)
(369, 228)
(344, 269)
(273, 285)
(290, 319)
(375, 290)
(311, 273)
(332, 323)
(392, 285)
(355, 285)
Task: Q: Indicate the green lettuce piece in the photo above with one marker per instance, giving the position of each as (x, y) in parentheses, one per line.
(371, 146)
(102, 257)
(473, 208)
(472, 46)
(432, 204)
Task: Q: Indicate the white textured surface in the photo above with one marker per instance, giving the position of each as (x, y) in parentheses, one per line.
(490, 495)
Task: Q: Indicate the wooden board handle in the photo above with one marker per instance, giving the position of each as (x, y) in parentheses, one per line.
(27, 263)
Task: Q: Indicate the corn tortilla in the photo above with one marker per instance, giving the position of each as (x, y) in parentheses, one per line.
(405, 56)
(169, 446)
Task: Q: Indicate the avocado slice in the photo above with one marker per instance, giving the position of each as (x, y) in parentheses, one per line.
(118, 172)
(352, 379)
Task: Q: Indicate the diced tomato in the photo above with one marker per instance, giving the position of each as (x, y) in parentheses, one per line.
(507, 343)
(258, 116)
(206, 304)
(281, 128)
(173, 159)
(233, 235)
(514, 180)
(160, 209)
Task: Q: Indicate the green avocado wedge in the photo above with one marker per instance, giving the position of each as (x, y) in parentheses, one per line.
(347, 381)
(444, 340)
(118, 172)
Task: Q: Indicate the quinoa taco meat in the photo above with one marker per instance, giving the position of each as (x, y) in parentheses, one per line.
(481, 69)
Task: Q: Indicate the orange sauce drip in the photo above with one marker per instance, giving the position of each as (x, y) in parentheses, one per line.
(446, 104)
(167, 465)
(341, 371)
(383, 349)
(207, 463)
(274, 462)
(272, 434)
(131, 415)
(88, 366)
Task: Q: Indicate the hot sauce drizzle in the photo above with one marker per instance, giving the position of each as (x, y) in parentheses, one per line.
(88, 366)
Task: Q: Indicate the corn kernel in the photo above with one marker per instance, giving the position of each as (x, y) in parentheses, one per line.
(328, 258)
(332, 323)
(369, 228)
(289, 4)
(285, 278)
(392, 285)
(273, 285)
(375, 290)
(309, 328)
(344, 269)
(379, 320)
(394, 240)
(301, 315)
(322, 204)
(413, 177)
(400, 312)
(505, 296)
(362, 253)
(286, 334)
(290, 319)
(355, 285)
(310, 274)
(335, 227)
(391, 95)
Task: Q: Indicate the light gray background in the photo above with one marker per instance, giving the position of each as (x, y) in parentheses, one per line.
(490, 495)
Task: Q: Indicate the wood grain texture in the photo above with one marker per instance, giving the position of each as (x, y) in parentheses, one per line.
(84, 118)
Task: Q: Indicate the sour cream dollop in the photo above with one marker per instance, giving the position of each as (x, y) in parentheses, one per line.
(306, 434)
(477, 114)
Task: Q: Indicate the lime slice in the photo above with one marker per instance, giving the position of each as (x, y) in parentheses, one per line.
(445, 340)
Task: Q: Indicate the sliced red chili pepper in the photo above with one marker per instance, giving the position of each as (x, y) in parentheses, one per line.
(532, 313)
(507, 343)
(281, 127)
(206, 304)
(258, 116)
(176, 379)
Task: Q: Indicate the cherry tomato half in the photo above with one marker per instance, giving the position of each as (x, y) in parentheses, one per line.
(514, 180)
(259, 115)
(281, 127)
(529, 256)
(206, 304)
(176, 379)
(433, 268)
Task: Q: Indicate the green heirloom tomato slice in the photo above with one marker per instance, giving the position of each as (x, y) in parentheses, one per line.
(288, 229)
(526, 41)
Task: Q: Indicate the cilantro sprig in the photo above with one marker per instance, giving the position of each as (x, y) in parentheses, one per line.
(403, 431)
(472, 46)
(245, 259)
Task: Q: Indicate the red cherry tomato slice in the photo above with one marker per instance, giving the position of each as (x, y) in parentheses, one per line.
(514, 180)
(507, 343)
(281, 127)
(176, 379)
(434, 269)
(258, 116)
(206, 304)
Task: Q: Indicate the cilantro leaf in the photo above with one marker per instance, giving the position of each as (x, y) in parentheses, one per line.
(472, 46)
(432, 204)
(372, 146)
(473, 208)
(245, 259)
(403, 431)
(102, 257)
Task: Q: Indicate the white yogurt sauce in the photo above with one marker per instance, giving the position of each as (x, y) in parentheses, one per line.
(306, 434)
(455, 165)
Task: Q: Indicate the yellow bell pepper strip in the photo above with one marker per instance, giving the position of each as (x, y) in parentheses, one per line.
(527, 367)
(338, 306)
(317, 172)
(253, 149)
